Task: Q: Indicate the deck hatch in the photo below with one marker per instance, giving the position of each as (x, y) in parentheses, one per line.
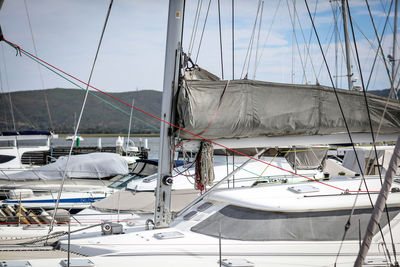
(15, 264)
(169, 235)
(301, 189)
(236, 263)
(77, 262)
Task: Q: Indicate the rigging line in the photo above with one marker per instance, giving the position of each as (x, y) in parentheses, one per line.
(80, 118)
(311, 30)
(371, 44)
(347, 226)
(202, 32)
(265, 169)
(266, 38)
(369, 117)
(220, 38)
(253, 36)
(306, 46)
(40, 71)
(258, 40)
(92, 93)
(21, 114)
(195, 24)
(5, 101)
(386, 68)
(326, 51)
(333, 8)
(183, 24)
(335, 16)
(366, 102)
(377, 51)
(295, 38)
(251, 40)
(233, 39)
(292, 40)
(391, 79)
(173, 125)
(8, 86)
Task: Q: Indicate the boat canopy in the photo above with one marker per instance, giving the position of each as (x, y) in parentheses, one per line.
(217, 109)
(93, 165)
(306, 159)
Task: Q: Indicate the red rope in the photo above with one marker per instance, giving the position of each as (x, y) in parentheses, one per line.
(164, 121)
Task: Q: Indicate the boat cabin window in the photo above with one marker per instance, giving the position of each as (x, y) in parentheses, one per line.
(29, 143)
(189, 215)
(204, 206)
(254, 225)
(6, 158)
(6, 143)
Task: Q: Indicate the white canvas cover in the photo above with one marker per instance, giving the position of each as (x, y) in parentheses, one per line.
(93, 165)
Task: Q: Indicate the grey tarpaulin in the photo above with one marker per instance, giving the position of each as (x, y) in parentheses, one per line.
(306, 159)
(94, 165)
(253, 108)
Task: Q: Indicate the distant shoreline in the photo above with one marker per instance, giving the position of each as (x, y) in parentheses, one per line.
(110, 135)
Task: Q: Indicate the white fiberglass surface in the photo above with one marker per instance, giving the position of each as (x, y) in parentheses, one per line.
(253, 171)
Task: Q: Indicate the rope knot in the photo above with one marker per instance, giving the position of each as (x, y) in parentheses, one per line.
(17, 49)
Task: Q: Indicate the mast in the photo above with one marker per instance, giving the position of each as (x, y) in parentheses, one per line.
(379, 205)
(394, 40)
(130, 124)
(162, 214)
(347, 44)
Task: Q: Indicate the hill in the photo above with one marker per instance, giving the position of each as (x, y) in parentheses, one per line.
(384, 92)
(65, 104)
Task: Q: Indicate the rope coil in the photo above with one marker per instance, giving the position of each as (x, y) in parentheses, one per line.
(204, 166)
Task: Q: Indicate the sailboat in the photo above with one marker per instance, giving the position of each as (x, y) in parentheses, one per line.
(274, 225)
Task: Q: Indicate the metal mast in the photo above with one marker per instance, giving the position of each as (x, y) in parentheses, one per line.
(162, 214)
(347, 44)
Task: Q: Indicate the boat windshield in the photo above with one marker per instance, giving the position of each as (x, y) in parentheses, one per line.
(142, 168)
(124, 180)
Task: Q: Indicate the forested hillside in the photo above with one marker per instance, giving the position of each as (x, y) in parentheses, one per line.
(65, 104)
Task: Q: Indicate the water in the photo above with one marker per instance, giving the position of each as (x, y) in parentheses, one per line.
(153, 143)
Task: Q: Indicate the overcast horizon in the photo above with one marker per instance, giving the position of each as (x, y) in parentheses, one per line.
(66, 34)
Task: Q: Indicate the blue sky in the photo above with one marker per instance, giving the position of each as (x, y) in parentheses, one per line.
(66, 34)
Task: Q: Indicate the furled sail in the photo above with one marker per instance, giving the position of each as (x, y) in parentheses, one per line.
(217, 109)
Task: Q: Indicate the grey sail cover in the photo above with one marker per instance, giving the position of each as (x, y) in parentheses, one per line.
(246, 108)
(93, 165)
